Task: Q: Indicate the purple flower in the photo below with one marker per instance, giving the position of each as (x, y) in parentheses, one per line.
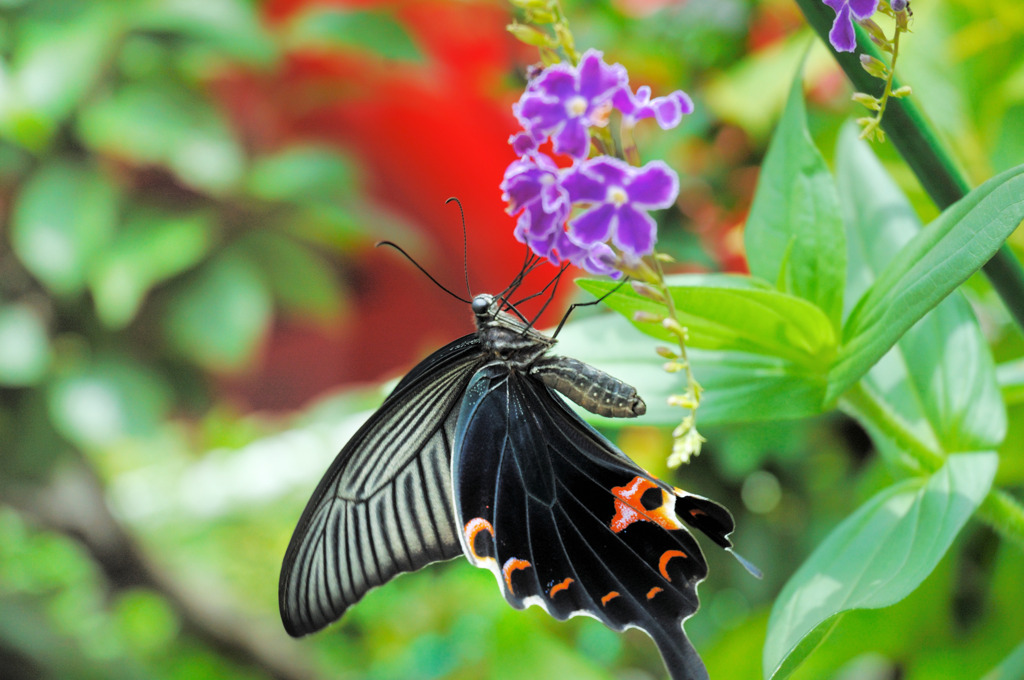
(564, 101)
(842, 35)
(532, 188)
(597, 258)
(619, 196)
(668, 111)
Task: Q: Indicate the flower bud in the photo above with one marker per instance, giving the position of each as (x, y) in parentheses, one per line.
(875, 67)
(530, 35)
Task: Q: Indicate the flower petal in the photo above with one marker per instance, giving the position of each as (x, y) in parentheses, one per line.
(842, 35)
(655, 186)
(596, 80)
(862, 9)
(636, 231)
(593, 226)
(573, 139)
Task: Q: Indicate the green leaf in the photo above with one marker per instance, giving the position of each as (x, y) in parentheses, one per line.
(794, 234)
(940, 376)
(299, 278)
(374, 31)
(926, 270)
(738, 386)
(221, 314)
(232, 28)
(727, 312)
(875, 557)
(24, 346)
(57, 60)
(146, 252)
(1011, 667)
(301, 174)
(63, 219)
(97, 404)
(160, 124)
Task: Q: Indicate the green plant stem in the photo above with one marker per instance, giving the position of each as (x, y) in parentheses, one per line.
(920, 148)
(999, 510)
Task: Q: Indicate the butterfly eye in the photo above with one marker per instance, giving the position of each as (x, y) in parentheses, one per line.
(481, 304)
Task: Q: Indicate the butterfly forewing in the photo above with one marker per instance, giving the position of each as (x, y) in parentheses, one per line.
(384, 506)
(567, 522)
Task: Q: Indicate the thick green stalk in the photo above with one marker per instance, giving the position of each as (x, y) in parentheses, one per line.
(999, 510)
(916, 141)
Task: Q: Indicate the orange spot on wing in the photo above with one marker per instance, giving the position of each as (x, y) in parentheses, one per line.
(513, 564)
(610, 596)
(559, 587)
(629, 509)
(696, 512)
(652, 592)
(474, 527)
(665, 557)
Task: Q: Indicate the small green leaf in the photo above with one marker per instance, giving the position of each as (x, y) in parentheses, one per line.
(727, 312)
(374, 31)
(219, 316)
(939, 378)
(299, 278)
(232, 28)
(794, 234)
(97, 404)
(876, 556)
(301, 174)
(148, 250)
(24, 346)
(926, 270)
(63, 219)
(57, 60)
(158, 124)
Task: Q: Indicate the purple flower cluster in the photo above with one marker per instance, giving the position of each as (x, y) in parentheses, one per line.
(842, 35)
(572, 214)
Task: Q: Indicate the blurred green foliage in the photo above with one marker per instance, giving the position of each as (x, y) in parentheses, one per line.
(149, 242)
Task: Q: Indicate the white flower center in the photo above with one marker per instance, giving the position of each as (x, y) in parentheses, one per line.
(617, 196)
(576, 106)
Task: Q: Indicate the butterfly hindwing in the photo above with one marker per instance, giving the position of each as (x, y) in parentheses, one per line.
(565, 521)
(384, 505)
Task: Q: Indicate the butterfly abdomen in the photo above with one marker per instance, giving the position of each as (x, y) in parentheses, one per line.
(591, 388)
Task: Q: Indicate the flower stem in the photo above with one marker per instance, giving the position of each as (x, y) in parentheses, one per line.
(999, 510)
(920, 148)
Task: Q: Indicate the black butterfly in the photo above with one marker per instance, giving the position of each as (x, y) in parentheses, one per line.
(473, 453)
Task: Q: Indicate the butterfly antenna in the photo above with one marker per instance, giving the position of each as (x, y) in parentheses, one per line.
(425, 272)
(465, 242)
(573, 306)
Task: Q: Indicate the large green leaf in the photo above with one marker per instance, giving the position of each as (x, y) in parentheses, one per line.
(726, 312)
(738, 386)
(794, 234)
(939, 378)
(925, 271)
(63, 219)
(875, 557)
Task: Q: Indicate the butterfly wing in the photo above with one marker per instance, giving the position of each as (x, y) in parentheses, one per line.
(384, 505)
(567, 522)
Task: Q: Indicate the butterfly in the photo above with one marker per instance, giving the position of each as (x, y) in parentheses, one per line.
(475, 454)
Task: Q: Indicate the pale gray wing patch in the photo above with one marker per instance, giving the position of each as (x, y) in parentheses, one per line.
(385, 505)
